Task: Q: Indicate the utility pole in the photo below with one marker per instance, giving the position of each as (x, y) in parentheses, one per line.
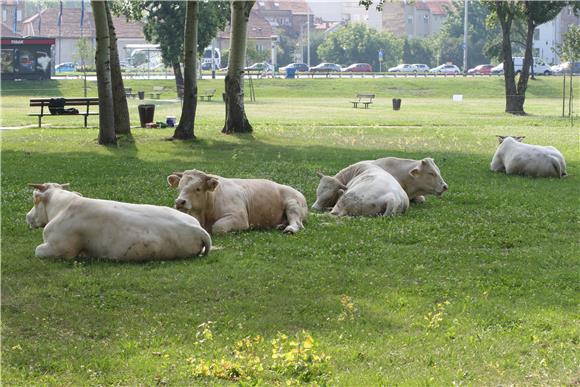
(308, 36)
(465, 38)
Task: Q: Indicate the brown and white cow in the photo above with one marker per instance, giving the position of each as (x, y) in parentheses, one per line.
(416, 177)
(78, 226)
(222, 204)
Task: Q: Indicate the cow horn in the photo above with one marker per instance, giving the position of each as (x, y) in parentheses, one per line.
(178, 174)
(65, 186)
(320, 174)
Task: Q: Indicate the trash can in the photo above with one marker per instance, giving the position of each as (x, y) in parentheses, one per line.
(396, 103)
(141, 94)
(146, 114)
(290, 73)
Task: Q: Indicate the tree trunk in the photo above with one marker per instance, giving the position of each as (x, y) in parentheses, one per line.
(236, 120)
(102, 61)
(121, 110)
(528, 60)
(178, 79)
(512, 99)
(184, 130)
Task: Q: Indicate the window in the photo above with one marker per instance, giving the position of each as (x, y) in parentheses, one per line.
(536, 34)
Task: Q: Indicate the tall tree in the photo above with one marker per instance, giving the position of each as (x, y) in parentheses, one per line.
(184, 130)
(103, 64)
(236, 120)
(120, 108)
(358, 43)
(532, 13)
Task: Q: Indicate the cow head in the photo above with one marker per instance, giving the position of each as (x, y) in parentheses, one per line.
(501, 139)
(37, 216)
(427, 178)
(194, 187)
(328, 192)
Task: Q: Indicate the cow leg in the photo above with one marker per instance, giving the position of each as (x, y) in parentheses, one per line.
(295, 213)
(418, 199)
(47, 250)
(230, 223)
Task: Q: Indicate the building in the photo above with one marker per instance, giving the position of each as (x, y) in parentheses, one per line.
(260, 33)
(69, 32)
(549, 35)
(11, 15)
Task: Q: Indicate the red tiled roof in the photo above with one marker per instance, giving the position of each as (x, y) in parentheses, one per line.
(8, 33)
(71, 28)
(297, 7)
(436, 7)
(258, 27)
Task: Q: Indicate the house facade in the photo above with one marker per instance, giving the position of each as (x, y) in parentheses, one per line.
(549, 35)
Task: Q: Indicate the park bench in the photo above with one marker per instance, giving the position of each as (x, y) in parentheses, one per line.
(129, 93)
(209, 94)
(365, 99)
(48, 103)
(156, 93)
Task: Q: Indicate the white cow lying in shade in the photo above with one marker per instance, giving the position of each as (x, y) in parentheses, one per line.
(372, 192)
(77, 226)
(516, 158)
(223, 204)
(416, 177)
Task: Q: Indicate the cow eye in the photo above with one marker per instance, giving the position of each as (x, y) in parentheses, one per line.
(198, 189)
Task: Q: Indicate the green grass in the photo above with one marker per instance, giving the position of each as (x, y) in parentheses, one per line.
(478, 287)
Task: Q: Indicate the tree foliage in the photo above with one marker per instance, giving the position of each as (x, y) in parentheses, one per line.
(569, 50)
(359, 43)
(418, 51)
(165, 23)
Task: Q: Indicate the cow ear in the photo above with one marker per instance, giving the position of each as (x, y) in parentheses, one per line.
(340, 192)
(414, 172)
(343, 187)
(212, 183)
(519, 138)
(320, 174)
(173, 180)
(424, 162)
(40, 187)
(500, 139)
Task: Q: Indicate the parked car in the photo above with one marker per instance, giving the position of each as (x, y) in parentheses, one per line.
(483, 69)
(402, 68)
(359, 68)
(566, 68)
(261, 66)
(325, 67)
(297, 66)
(65, 67)
(539, 67)
(420, 68)
(445, 69)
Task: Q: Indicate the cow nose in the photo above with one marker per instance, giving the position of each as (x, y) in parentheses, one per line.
(179, 203)
(445, 187)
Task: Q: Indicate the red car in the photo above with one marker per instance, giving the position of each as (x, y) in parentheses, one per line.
(484, 69)
(358, 68)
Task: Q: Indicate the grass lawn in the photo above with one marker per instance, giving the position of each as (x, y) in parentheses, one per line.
(477, 287)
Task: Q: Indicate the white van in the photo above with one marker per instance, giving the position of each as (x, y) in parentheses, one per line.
(538, 68)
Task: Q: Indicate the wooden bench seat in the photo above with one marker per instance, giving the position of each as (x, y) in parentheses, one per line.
(44, 104)
(207, 94)
(156, 93)
(362, 98)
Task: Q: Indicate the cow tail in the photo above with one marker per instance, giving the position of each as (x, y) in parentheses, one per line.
(206, 241)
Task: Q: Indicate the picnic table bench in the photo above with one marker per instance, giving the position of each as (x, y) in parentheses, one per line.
(129, 92)
(209, 94)
(156, 93)
(49, 102)
(362, 98)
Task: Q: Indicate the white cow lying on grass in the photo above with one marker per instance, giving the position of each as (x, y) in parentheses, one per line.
(77, 226)
(516, 158)
(416, 177)
(222, 204)
(372, 192)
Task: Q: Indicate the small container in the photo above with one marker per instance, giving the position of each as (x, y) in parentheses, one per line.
(170, 121)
